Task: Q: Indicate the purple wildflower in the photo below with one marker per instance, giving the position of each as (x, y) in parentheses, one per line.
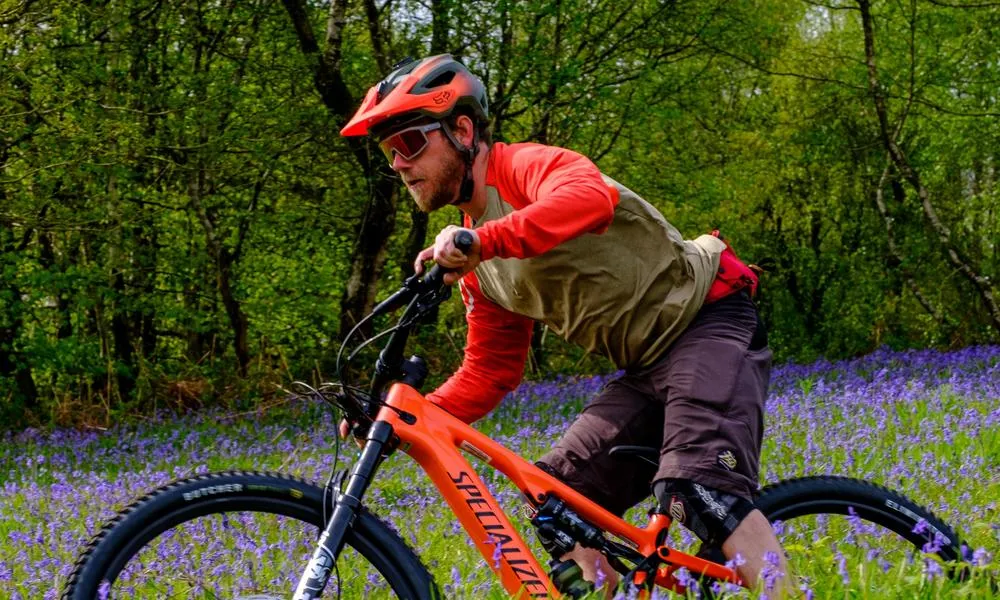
(497, 550)
(770, 573)
(601, 577)
(932, 568)
(689, 581)
(845, 575)
(981, 557)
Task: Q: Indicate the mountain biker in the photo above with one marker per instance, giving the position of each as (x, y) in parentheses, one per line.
(559, 242)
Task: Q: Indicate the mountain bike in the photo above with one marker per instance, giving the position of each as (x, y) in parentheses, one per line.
(276, 518)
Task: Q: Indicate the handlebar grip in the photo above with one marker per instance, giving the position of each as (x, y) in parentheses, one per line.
(463, 241)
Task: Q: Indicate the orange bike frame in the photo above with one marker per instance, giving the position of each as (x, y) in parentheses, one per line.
(434, 440)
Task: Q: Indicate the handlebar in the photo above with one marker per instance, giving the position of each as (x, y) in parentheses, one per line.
(433, 279)
(420, 295)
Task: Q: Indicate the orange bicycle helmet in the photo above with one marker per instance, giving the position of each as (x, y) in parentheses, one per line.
(432, 87)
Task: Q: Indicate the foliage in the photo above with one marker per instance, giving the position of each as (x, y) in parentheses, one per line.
(180, 222)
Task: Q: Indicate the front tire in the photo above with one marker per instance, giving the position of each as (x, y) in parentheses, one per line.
(177, 533)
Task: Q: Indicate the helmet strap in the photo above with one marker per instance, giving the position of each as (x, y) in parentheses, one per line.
(469, 153)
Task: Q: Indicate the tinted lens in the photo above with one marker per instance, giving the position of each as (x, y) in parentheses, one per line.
(407, 143)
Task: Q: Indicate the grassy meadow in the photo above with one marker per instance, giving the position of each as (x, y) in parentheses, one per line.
(925, 423)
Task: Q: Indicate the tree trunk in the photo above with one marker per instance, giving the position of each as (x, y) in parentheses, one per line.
(368, 259)
(14, 364)
(144, 317)
(503, 71)
(47, 260)
(543, 132)
(416, 239)
(121, 333)
(234, 310)
(538, 347)
(224, 261)
(372, 236)
(226, 258)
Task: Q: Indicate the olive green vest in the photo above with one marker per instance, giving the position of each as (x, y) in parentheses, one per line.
(627, 293)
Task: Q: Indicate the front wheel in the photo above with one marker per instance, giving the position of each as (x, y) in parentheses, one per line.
(239, 535)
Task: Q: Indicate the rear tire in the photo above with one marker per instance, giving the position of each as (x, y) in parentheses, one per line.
(174, 505)
(891, 510)
(891, 517)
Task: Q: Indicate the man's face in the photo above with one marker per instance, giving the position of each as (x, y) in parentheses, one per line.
(433, 176)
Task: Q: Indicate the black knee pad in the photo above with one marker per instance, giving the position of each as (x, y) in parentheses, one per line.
(710, 514)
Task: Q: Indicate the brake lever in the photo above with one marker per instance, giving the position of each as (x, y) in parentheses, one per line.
(431, 299)
(412, 286)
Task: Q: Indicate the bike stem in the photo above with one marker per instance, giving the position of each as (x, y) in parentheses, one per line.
(331, 542)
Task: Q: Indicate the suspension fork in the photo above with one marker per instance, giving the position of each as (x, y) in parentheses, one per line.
(331, 542)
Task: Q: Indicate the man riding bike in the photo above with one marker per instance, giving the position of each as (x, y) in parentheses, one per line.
(554, 240)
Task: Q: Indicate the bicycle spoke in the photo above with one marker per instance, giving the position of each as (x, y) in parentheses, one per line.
(245, 556)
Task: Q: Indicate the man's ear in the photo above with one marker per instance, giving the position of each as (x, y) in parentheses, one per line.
(464, 128)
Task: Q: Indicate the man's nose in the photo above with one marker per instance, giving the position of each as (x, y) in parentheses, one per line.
(398, 162)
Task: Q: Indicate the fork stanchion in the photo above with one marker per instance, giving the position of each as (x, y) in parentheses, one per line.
(317, 573)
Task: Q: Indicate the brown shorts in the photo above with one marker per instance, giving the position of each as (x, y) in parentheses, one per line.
(701, 404)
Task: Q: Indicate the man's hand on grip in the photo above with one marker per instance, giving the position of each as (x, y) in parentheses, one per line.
(444, 253)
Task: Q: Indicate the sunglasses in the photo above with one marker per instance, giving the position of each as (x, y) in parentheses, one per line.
(408, 142)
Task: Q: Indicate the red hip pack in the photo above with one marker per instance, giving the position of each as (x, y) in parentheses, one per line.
(733, 276)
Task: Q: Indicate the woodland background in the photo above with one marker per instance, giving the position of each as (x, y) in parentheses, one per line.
(181, 224)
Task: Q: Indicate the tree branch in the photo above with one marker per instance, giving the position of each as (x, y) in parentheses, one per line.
(902, 164)
(327, 76)
(807, 77)
(244, 225)
(950, 5)
(898, 257)
(377, 36)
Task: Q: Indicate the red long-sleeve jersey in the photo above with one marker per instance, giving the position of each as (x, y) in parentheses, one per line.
(557, 195)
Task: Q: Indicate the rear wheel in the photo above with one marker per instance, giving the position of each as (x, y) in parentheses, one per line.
(239, 535)
(857, 532)
(849, 533)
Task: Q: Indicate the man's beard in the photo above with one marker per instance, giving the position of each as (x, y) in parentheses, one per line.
(442, 190)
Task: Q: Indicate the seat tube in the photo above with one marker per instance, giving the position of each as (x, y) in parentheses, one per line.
(317, 573)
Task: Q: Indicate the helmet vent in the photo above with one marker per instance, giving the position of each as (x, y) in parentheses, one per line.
(442, 79)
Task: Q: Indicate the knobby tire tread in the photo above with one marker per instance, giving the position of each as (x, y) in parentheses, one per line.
(827, 492)
(369, 529)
